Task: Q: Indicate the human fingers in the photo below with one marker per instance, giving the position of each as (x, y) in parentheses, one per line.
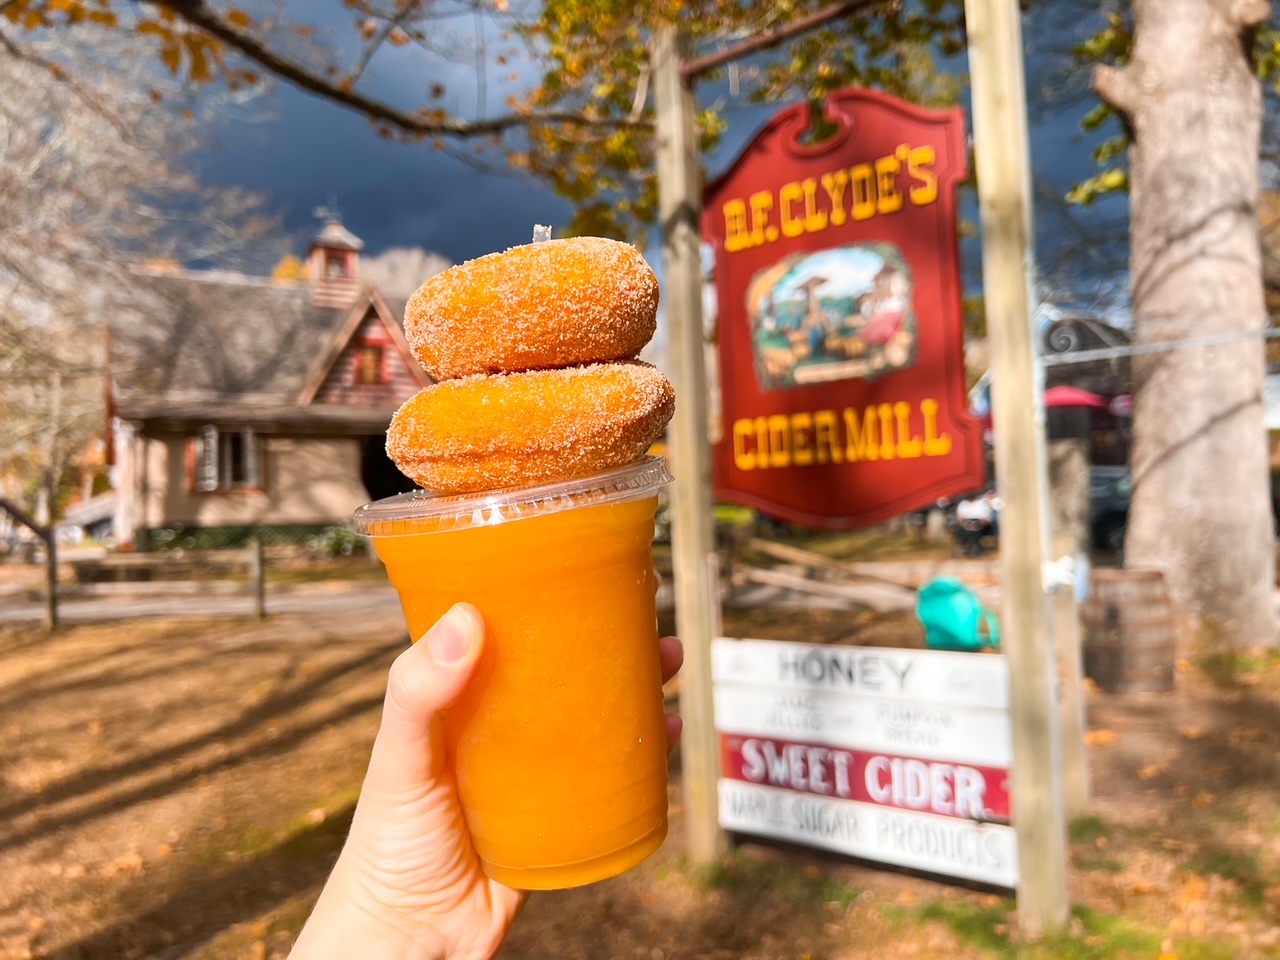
(674, 726)
(671, 654)
(424, 680)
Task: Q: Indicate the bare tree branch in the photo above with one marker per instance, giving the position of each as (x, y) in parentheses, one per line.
(59, 74)
(1115, 85)
(375, 43)
(422, 123)
(82, 201)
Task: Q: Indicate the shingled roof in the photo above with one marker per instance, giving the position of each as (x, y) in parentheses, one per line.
(201, 346)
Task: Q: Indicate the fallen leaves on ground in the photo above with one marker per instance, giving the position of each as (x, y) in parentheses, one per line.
(1193, 890)
(1101, 738)
(1244, 735)
(130, 862)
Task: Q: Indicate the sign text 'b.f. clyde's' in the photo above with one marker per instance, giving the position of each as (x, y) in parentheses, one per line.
(813, 204)
(840, 322)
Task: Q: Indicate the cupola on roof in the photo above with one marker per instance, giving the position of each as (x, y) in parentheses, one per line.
(335, 236)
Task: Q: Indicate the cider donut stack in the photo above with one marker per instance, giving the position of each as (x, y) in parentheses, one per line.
(533, 351)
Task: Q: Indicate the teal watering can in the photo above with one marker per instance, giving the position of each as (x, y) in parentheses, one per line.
(954, 618)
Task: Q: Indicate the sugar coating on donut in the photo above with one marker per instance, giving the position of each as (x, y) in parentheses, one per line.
(558, 303)
(522, 429)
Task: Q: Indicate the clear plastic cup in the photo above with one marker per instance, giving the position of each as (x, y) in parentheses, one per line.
(559, 742)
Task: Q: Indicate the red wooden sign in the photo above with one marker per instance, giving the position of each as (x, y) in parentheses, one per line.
(841, 326)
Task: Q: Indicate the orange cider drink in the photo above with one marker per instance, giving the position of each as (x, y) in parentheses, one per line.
(558, 743)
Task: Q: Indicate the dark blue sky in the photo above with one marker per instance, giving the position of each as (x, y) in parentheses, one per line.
(300, 150)
(390, 194)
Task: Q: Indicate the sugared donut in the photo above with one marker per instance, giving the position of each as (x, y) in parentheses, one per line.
(522, 429)
(557, 303)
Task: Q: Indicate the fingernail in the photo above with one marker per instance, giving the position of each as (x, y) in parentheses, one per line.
(450, 639)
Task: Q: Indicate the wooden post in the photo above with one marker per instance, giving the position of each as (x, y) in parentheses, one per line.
(50, 540)
(258, 578)
(51, 582)
(696, 565)
(1004, 186)
(1069, 488)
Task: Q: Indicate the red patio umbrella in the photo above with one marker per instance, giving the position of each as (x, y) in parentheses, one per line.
(1067, 396)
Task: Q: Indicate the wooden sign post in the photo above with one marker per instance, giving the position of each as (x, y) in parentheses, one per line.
(1069, 487)
(1002, 151)
(697, 566)
(697, 569)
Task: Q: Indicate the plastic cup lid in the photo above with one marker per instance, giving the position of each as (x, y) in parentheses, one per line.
(403, 515)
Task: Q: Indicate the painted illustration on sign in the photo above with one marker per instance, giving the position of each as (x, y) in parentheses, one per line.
(838, 314)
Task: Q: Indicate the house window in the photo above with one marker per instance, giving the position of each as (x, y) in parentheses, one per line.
(335, 266)
(228, 459)
(368, 365)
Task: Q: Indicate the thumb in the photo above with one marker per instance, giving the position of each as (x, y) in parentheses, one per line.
(409, 750)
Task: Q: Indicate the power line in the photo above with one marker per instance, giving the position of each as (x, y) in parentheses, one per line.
(1139, 349)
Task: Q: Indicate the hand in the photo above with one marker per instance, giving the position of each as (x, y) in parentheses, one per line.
(408, 884)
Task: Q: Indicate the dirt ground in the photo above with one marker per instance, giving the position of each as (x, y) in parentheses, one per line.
(180, 788)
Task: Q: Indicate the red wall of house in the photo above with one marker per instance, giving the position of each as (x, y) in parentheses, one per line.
(398, 382)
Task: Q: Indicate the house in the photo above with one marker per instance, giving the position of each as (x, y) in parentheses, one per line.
(244, 405)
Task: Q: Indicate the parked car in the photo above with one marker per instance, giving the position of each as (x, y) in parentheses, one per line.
(1109, 491)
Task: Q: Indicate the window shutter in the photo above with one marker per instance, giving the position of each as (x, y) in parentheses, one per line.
(252, 462)
(207, 461)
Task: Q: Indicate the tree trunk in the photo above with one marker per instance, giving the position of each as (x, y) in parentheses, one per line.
(1201, 507)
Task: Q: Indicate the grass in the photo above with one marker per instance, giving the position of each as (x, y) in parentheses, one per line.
(1223, 668)
(1245, 870)
(1091, 936)
(866, 545)
(1090, 838)
(1087, 830)
(871, 545)
(359, 571)
(990, 927)
(303, 837)
(795, 885)
(834, 891)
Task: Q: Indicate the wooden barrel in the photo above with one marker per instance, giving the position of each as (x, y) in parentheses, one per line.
(1129, 632)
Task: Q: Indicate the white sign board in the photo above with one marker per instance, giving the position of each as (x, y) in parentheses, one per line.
(900, 756)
